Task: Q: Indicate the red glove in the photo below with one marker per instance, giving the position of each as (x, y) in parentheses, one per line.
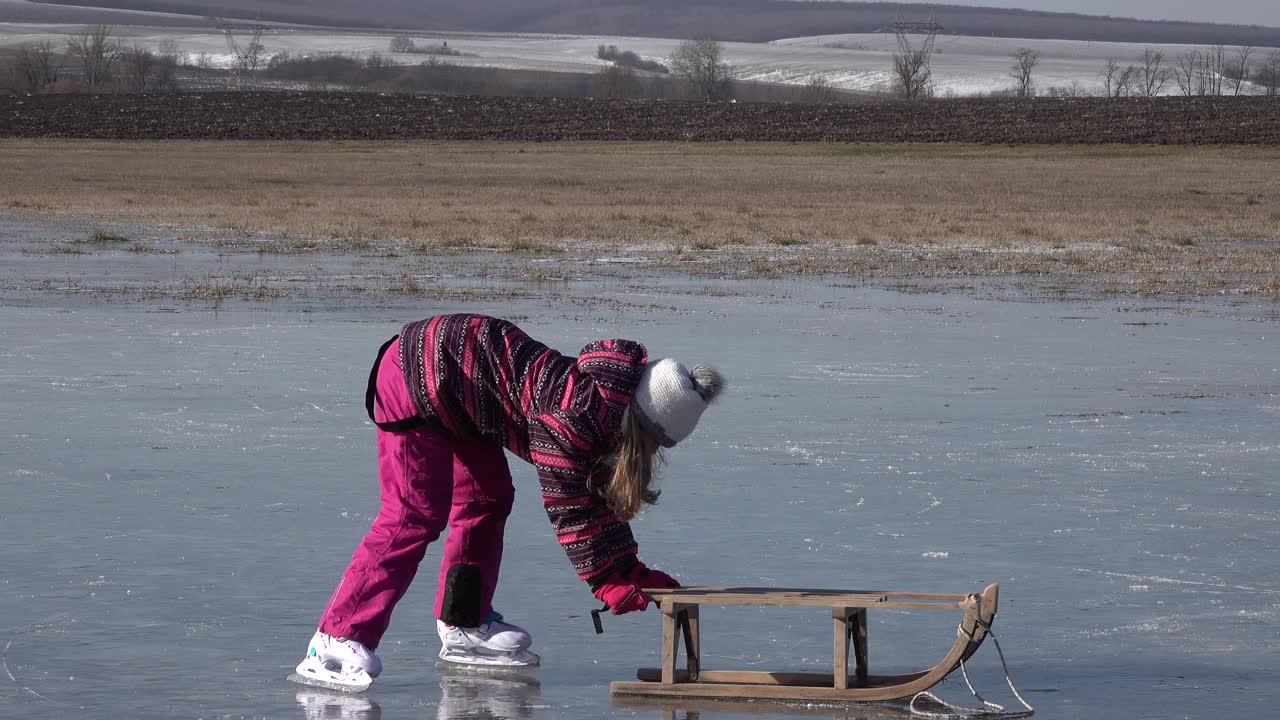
(647, 578)
(622, 596)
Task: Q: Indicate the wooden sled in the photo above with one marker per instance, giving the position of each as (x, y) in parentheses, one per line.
(849, 611)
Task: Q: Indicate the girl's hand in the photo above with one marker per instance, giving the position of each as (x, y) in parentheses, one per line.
(622, 597)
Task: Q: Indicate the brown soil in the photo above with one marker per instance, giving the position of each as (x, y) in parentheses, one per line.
(346, 116)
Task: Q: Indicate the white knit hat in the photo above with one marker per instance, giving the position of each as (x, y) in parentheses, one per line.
(670, 398)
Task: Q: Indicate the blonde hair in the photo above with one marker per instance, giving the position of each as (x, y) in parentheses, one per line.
(634, 472)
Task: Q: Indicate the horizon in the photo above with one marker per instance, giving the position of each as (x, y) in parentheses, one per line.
(1226, 13)
(1229, 12)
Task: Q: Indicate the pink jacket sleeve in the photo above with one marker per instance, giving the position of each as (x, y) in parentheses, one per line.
(567, 443)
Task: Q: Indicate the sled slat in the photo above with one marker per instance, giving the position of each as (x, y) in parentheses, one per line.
(947, 597)
(804, 598)
(695, 590)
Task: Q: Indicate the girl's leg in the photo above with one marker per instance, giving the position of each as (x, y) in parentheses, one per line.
(482, 499)
(415, 473)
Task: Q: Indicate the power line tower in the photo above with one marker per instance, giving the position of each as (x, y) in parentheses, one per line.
(245, 59)
(904, 28)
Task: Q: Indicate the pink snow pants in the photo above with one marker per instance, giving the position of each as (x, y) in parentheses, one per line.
(429, 479)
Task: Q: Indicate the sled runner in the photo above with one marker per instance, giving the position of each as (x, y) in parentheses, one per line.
(680, 621)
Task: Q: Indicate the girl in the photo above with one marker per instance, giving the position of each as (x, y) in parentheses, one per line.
(447, 395)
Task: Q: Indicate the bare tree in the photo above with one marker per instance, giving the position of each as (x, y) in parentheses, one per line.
(698, 63)
(35, 67)
(136, 67)
(1108, 75)
(11, 76)
(95, 51)
(169, 47)
(1117, 81)
(48, 64)
(1024, 62)
(1152, 75)
(402, 44)
(1187, 71)
(254, 55)
(141, 70)
(1213, 63)
(819, 90)
(1269, 74)
(912, 64)
(1238, 72)
(1073, 90)
(616, 81)
(168, 58)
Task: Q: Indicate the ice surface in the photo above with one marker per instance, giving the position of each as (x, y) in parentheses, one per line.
(180, 487)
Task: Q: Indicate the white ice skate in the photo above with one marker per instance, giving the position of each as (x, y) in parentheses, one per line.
(494, 644)
(337, 664)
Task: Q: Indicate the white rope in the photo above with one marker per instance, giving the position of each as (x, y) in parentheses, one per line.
(1009, 678)
(988, 709)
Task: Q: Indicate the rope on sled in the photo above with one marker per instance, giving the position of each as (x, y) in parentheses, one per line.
(988, 709)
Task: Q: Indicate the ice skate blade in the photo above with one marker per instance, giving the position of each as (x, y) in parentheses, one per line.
(446, 666)
(313, 681)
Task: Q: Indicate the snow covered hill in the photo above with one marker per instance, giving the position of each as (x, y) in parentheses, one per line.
(962, 65)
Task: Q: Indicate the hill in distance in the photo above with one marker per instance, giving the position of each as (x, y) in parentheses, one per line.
(739, 20)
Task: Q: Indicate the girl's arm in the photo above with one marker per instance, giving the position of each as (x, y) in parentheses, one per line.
(596, 541)
(569, 431)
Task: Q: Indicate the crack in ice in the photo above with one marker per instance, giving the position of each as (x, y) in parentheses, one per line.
(1172, 581)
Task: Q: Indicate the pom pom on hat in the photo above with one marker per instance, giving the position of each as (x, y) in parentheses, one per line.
(671, 398)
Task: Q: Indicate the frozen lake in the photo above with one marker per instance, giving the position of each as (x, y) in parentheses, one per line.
(181, 485)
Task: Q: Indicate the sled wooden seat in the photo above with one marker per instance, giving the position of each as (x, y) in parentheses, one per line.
(680, 621)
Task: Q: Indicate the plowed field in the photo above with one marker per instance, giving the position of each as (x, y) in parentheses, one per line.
(348, 116)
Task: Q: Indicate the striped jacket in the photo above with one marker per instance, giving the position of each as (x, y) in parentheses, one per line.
(477, 375)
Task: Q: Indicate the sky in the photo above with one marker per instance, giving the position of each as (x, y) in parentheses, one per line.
(1245, 12)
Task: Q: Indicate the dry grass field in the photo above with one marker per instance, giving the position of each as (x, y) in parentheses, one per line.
(1151, 218)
